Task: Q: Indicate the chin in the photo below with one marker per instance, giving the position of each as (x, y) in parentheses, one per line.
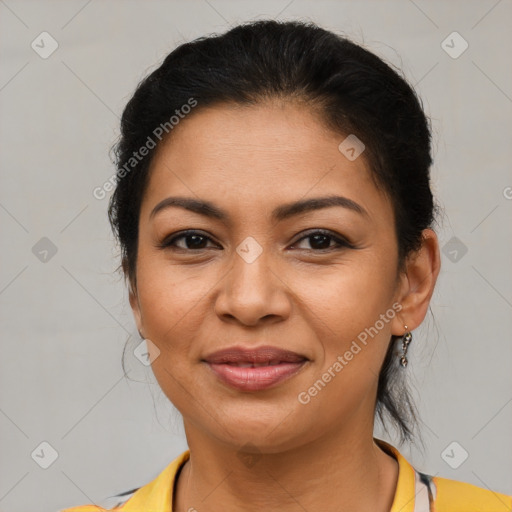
(265, 433)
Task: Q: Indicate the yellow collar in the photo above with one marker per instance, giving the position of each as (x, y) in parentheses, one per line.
(404, 500)
(158, 494)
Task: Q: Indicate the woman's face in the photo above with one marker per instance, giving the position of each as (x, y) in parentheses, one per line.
(260, 274)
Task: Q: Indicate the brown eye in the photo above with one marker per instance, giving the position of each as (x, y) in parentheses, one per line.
(187, 240)
(321, 240)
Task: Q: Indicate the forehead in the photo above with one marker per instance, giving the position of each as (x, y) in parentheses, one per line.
(256, 155)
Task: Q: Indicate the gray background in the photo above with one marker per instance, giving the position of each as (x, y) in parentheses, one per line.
(65, 316)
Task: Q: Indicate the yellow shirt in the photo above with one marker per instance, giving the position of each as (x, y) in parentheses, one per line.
(415, 492)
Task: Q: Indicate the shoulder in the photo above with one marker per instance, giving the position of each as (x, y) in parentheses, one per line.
(454, 496)
(112, 503)
(417, 491)
(155, 496)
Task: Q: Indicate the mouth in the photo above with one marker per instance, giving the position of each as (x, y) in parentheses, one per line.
(256, 369)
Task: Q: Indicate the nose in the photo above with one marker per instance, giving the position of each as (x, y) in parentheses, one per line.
(252, 292)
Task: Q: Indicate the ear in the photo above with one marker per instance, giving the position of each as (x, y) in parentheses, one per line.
(417, 284)
(135, 305)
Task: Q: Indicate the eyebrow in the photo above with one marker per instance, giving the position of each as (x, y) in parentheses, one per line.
(283, 212)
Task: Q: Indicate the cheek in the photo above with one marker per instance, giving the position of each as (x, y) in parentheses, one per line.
(350, 314)
(350, 296)
(170, 296)
(176, 307)
(173, 309)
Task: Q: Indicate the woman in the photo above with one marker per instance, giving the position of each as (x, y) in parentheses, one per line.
(275, 218)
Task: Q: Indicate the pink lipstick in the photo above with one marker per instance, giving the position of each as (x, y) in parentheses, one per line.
(254, 369)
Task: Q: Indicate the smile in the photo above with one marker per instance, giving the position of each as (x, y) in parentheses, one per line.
(254, 369)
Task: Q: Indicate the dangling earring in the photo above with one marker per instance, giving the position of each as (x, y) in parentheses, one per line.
(406, 339)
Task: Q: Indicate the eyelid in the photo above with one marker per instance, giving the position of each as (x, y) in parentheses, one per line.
(340, 240)
(168, 240)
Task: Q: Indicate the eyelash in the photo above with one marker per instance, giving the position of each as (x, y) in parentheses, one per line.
(168, 243)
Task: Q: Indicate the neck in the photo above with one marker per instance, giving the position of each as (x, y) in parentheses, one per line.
(342, 473)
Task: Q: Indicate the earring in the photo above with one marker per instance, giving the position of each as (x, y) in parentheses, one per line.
(406, 339)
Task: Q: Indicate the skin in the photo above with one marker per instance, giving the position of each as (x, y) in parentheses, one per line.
(191, 302)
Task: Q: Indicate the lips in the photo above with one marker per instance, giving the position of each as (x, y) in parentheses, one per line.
(258, 356)
(256, 369)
